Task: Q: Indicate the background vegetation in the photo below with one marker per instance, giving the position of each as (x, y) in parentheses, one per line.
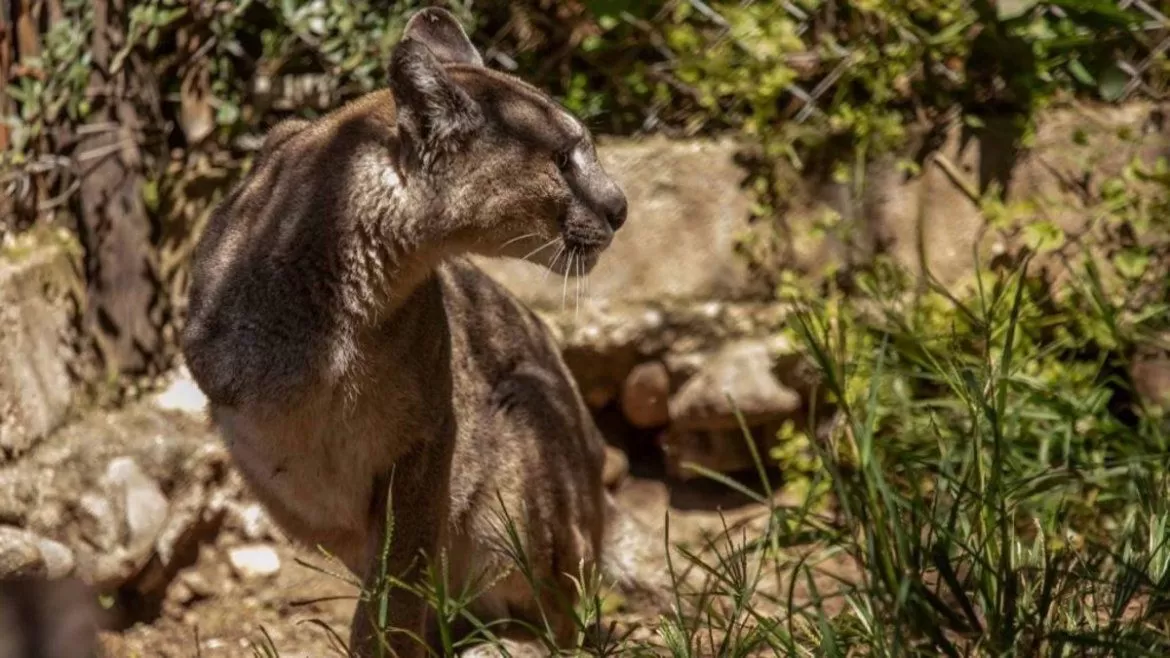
(996, 472)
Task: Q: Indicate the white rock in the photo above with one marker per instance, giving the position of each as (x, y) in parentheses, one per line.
(743, 372)
(145, 505)
(254, 521)
(254, 561)
(59, 561)
(100, 522)
(182, 394)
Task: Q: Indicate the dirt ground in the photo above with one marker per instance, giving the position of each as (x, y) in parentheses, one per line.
(217, 614)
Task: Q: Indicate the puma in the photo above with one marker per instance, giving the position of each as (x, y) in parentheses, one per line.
(355, 362)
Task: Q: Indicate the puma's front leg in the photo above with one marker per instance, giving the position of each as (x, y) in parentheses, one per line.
(417, 493)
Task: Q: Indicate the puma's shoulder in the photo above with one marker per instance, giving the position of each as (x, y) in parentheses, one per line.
(270, 271)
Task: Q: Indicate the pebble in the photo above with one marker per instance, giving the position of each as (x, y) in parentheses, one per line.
(146, 507)
(254, 561)
(59, 560)
(645, 395)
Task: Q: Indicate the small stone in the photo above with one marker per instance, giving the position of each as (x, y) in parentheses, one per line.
(645, 395)
(19, 555)
(146, 507)
(254, 522)
(254, 561)
(599, 395)
(99, 523)
(183, 394)
(198, 584)
(179, 595)
(617, 466)
(59, 560)
(743, 372)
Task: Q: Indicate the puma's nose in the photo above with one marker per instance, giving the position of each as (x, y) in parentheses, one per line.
(615, 209)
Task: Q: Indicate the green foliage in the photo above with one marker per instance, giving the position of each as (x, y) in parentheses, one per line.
(998, 502)
(53, 91)
(789, 76)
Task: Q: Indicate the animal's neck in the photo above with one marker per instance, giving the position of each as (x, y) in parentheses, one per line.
(400, 237)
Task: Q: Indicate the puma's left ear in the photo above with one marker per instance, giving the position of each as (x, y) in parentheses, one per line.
(438, 30)
(433, 110)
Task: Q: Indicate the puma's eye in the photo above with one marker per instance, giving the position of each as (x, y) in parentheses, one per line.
(562, 160)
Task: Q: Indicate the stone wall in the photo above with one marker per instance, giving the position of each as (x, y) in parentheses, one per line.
(37, 287)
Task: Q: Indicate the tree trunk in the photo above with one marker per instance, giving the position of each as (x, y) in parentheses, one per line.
(125, 307)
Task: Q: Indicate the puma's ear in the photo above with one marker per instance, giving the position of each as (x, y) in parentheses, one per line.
(438, 30)
(431, 106)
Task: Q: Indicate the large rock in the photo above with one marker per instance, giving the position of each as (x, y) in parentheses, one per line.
(687, 210)
(743, 376)
(36, 281)
(740, 377)
(605, 342)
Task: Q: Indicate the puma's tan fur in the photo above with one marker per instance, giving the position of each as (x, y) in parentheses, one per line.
(354, 359)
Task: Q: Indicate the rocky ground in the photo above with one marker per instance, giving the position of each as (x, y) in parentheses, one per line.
(143, 504)
(239, 590)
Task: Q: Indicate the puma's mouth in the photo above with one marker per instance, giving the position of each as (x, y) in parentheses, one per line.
(575, 259)
(566, 254)
(579, 252)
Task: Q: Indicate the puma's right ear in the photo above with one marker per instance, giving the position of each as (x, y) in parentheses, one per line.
(438, 30)
(437, 113)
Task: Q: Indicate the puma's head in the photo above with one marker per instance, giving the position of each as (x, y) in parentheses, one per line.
(514, 171)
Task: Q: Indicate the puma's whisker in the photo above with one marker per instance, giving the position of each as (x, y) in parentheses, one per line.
(556, 257)
(577, 297)
(539, 249)
(519, 238)
(565, 276)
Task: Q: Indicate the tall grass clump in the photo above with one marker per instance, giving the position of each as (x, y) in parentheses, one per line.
(1000, 490)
